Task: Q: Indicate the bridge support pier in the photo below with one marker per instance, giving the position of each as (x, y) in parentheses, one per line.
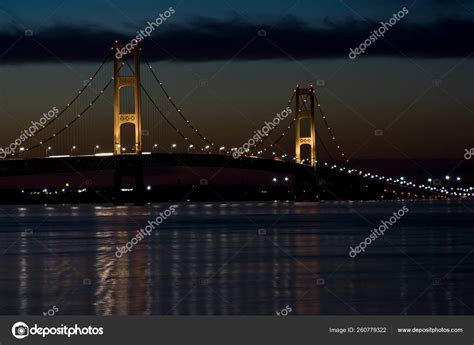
(126, 166)
(130, 165)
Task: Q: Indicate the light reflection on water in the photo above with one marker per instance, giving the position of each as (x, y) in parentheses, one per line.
(211, 259)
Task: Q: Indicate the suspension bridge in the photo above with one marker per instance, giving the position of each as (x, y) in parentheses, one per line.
(157, 158)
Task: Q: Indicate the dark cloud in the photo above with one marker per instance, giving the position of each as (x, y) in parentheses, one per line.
(206, 39)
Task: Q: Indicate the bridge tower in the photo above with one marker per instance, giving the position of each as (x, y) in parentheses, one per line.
(127, 165)
(303, 114)
(120, 81)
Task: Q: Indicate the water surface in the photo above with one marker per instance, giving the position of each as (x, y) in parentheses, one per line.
(238, 259)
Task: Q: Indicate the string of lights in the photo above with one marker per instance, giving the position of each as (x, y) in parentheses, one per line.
(294, 118)
(191, 144)
(180, 112)
(70, 103)
(262, 151)
(320, 141)
(331, 133)
(333, 137)
(68, 125)
(290, 125)
(181, 134)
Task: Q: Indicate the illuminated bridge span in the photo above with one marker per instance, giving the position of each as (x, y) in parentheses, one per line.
(128, 110)
(141, 163)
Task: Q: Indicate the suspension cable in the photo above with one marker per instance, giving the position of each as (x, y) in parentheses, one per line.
(333, 137)
(74, 99)
(264, 138)
(284, 132)
(163, 115)
(189, 123)
(77, 117)
(321, 140)
(167, 120)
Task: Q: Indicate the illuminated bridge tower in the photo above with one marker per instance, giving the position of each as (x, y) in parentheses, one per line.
(120, 81)
(128, 165)
(303, 113)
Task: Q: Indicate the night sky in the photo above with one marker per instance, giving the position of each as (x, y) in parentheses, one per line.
(415, 83)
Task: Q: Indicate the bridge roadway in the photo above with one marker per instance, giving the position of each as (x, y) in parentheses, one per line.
(195, 177)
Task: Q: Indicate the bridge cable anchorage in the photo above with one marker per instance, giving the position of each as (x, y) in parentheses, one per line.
(68, 125)
(164, 116)
(69, 104)
(189, 123)
(333, 137)
(284, 132)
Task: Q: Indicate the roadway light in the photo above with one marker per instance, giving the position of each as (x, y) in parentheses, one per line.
(155, 146)
(123, 149)
(447, 177)
(458, 179)
(274, 179)
(173, 146)
(222, 148)
(430, 180)
(96, 148)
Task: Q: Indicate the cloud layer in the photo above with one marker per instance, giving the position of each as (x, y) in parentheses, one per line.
(206, 39)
